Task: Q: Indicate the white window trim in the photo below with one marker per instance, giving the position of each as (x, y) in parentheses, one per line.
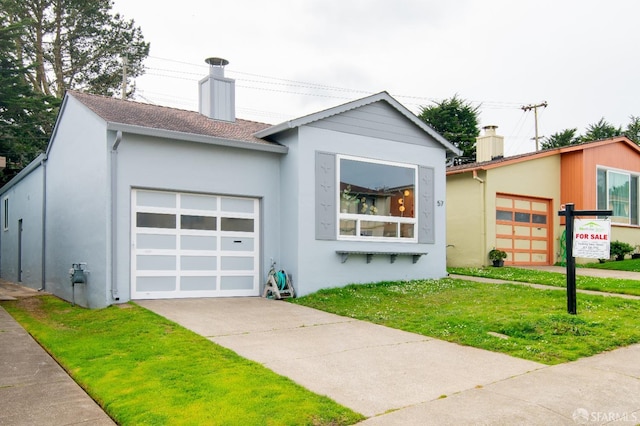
(630, 175)
(375, 218)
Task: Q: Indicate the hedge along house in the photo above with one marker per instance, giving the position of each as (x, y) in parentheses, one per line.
(155, 202)
(512, 203)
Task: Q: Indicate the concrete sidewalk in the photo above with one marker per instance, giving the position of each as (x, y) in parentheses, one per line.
(34, 389)
(400, 378)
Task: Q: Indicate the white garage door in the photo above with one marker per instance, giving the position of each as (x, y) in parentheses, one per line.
(192, 245)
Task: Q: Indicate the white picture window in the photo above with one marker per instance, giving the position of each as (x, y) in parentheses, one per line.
(376, 200)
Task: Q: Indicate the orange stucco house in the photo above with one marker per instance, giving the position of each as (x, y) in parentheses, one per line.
(512, 203)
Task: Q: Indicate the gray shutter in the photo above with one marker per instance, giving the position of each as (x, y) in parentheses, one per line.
(326, 210)
(426, 217)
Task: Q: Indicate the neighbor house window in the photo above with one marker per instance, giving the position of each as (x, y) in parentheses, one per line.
(376, 200)
(5, 212)
(618, 191)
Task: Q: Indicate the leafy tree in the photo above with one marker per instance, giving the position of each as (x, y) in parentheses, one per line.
(26, 118)
(600, 130)
(48, 47)
(456, 120)
(633, 129)
(76, 44)
(564, 138)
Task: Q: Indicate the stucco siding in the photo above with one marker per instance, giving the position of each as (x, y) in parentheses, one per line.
(318, 266)
(178, 166)
(76, 206)
(22, 248)
(466, 227)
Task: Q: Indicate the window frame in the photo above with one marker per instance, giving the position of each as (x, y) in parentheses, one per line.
(5, 212)
(633, 215)
(359, 218)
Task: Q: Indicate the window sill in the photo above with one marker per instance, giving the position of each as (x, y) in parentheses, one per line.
(344, 255)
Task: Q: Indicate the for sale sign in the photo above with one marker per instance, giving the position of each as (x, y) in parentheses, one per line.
(591, 238)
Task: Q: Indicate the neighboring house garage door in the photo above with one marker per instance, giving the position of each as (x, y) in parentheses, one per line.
(192, 245)
(523, 229)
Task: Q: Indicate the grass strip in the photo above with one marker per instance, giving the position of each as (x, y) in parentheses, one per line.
(535, 321)
(556, 279)
(145, 370)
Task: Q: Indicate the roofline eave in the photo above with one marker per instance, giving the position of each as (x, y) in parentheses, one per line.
(193, 137)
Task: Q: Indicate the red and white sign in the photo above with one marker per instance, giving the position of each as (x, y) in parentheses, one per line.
(591, 238)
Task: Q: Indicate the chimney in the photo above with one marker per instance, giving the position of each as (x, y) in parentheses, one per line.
(217, 93)
(489, 146)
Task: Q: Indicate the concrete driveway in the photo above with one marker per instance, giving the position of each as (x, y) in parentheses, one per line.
(395, 377)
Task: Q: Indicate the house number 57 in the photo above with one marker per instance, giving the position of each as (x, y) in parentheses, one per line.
(440, 203)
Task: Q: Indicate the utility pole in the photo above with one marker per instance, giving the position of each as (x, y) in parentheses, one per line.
(124, 77)
(535, 114)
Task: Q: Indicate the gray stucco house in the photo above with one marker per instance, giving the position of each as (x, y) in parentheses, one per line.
(156, 202)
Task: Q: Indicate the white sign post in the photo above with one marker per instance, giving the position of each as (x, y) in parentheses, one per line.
(591, 238)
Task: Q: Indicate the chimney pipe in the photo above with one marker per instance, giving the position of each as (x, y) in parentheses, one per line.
(217, 93)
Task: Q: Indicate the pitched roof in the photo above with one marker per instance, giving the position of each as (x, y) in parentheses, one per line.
(382, 96)
(504, 161)
(131, 113)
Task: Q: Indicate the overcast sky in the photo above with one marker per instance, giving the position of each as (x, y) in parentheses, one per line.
(294, 57)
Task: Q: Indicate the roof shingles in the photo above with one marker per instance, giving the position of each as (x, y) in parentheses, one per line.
(120, 111)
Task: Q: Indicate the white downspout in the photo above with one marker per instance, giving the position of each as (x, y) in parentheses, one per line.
(484, 206)
(43, 163)
(114, 214)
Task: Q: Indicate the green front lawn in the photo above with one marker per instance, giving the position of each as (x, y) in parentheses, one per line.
(632, 265)
(556, 279)
(145, 370)
(535, 321)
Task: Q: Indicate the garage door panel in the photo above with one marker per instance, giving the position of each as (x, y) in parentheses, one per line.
(198, 263)
(539, 232)
(539, 258)
(241, 282)
(504, 243)
(198, 242)
(193, 245)
(539, 206)
(237, 205)
(237, 244)
(504, 229)
(155, 199)
(198, 202)
(237, 263)
(156, 262)
(156, 241)
(198, 283)
(152, 284)
(504, 202)
(538, 245)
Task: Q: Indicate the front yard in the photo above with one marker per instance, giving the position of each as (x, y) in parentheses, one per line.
(514, 319)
